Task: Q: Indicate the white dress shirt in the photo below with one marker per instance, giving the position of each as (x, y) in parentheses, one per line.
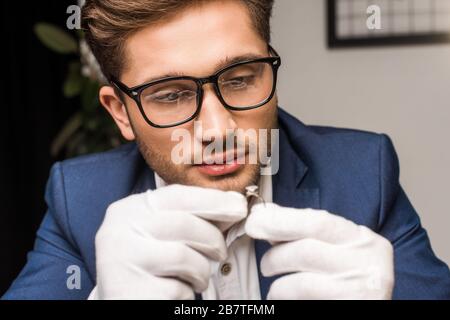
(237, 277)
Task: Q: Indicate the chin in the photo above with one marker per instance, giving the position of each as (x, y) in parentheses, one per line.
(237, 181)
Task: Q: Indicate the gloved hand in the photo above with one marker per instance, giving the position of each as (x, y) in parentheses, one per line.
(159, 244)
(324, 256)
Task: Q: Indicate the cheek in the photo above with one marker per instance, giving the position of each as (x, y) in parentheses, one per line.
(164, 140)
(261, 118)
(156, 139)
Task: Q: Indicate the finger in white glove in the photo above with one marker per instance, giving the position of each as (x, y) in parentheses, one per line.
(151, 246)
(318, 247)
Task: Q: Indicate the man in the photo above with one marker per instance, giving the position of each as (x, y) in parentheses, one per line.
(332, 222)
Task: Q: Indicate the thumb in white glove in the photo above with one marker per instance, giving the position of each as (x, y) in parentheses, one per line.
(159, 244)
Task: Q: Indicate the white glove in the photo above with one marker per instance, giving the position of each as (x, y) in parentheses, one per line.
(159, 244)
(324, 255)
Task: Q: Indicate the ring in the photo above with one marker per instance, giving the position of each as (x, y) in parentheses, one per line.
(252, 191)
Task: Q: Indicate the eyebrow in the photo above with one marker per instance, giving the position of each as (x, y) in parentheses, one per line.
(227, 61)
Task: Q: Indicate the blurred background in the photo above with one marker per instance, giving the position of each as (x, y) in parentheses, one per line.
(33, 112)
(50, 111)
(400, 90)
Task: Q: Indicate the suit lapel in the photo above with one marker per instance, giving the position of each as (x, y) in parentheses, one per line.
(293, 186)
(146, 180)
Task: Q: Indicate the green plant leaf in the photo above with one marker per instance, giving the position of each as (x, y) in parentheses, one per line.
(76, 144)
(55, 38)
(74, 82)
(89, 95)
(66, 133)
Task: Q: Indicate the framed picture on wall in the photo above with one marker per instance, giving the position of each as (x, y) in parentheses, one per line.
(353, 23)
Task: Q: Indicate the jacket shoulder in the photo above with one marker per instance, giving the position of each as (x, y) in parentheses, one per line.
(90, 182)
(80, 190)
(101, 157)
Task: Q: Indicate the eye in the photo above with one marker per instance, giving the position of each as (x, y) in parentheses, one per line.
(172, 96)
(177, 96)
(238, 82)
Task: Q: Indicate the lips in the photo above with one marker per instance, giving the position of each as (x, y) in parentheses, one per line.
(219, 169)
(219, 166)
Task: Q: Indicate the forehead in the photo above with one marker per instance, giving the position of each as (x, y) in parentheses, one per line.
(192, 42)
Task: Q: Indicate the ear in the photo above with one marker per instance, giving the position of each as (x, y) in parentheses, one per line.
(117, 110)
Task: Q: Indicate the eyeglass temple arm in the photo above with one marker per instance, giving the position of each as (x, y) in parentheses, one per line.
(121, 89)
(119, 85)
(273, 51)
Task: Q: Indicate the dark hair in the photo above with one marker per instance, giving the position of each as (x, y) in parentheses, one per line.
(109, 23)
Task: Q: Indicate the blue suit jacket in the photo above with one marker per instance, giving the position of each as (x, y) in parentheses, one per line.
(351, 173)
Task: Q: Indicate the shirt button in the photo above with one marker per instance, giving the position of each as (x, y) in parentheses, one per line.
(225, 269)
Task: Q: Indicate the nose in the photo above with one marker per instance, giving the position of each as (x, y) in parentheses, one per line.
(214, 117)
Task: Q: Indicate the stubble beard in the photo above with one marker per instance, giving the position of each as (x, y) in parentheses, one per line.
(184, 174)
(188, 175)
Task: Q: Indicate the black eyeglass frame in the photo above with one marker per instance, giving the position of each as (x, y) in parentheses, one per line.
(135, 92)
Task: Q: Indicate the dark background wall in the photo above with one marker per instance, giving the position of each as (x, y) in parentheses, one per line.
(33, 109)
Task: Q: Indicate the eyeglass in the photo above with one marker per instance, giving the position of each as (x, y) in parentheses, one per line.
(173, 101)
